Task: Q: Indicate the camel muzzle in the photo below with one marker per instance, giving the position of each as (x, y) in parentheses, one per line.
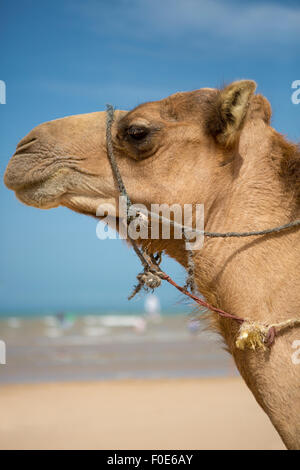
(23, 169)
(34, 172)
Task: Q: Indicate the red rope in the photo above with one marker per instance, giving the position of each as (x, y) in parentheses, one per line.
(199, 301)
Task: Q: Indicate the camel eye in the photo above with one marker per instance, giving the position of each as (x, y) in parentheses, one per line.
(137, 133)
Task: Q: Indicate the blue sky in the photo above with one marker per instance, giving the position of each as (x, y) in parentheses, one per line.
(68, 57)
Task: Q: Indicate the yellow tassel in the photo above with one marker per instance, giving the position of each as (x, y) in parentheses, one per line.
(252, 336)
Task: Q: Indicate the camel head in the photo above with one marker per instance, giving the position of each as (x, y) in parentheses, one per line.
(174, 150)
(209, 146)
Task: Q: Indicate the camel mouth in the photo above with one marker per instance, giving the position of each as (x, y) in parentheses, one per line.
(34, 180)
(41, 188)
(24, 170)
(33, 188)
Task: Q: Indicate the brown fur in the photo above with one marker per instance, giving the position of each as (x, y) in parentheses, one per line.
(287, 157)
(207, 146)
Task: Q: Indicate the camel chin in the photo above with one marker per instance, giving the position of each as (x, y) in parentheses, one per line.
(39, 204)
(88, 204)
(38, 197)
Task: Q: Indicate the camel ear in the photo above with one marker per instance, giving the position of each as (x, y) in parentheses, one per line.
(229, 111)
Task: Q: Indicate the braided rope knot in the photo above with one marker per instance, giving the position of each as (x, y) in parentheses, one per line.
(255, 335)
(149, 279)
(252, 335)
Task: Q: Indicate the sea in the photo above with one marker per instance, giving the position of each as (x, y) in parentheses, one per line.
(109, 346)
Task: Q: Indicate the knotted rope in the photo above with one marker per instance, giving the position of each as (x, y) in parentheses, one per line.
(252, 335)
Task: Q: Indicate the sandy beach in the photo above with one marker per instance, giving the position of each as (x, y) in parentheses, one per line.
(170, 414)
(94, 386)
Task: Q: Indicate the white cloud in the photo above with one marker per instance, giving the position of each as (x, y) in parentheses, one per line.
(271, 23)
(228, 19)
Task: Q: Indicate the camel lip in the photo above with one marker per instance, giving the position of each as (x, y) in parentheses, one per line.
(17, 178)
(42, 192)
(19, 187)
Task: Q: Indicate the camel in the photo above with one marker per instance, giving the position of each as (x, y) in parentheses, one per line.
(210, 146)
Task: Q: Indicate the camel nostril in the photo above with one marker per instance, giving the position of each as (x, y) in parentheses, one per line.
(25, 143)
